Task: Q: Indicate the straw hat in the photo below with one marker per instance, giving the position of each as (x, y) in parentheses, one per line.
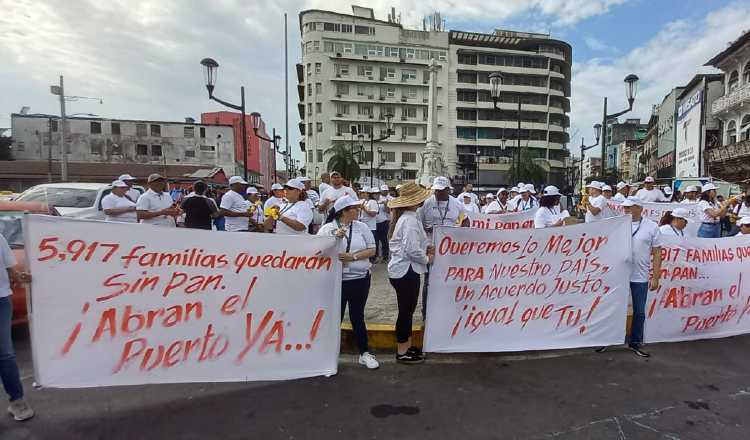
(410, 194)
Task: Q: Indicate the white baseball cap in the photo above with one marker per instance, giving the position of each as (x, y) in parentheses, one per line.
(463, 195)
(691, 188)
(520, 185)
(709, 186)
(530, 188)
(606, 188)
(551, 191)
(236, 179)
(648, 179)
(384, 187)
(490, 196)
(514, 189)
(345, 202)
(276, 186)
(621, 185)
(743, 221)
(440, 183)
(681, 213)
(119, 184)
(295, 183)
(668, 190)
(125, 177)
(596, 185)
(632, 201)
(303, 179)
(252, 190)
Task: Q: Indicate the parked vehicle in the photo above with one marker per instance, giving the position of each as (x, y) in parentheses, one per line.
(77, 200)
(11, 227)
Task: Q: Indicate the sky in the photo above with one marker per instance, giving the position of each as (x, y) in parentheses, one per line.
(141, 57)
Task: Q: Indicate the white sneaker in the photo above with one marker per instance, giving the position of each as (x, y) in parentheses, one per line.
(368, 361)
(20, 410)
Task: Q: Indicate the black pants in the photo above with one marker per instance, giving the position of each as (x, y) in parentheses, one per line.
(425, 288)
(355, 293)
(381, 239)
(407, 295)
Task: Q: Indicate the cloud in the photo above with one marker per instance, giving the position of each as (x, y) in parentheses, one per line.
(667, 60)
(596, 44)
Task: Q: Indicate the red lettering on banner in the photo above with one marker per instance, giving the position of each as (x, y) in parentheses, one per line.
(139, 286)
(465, 273)
(133, 322)
(697, 323)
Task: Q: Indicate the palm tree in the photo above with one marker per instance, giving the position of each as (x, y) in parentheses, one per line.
(342, 160)
(527, 169)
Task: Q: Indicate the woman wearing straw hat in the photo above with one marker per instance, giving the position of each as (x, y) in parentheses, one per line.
(410, 255)
(355, 250)
(711, 212)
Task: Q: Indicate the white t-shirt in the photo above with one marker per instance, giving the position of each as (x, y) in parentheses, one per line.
(383, 215)
(7, 260)
(546, 217)
(744, 211)
(525, 205)
(273, 201)
(112, 201)
(645, 235)
(371, 222)
(133, 194)
(688, 201)
(233, 201)
(471, 207)
(434, 213)
(474, 198)
(323, 187)
(669, 230)
(597, 202)
(334, 194)
(497, 207)
(703, 205)
(152, 202)
(299, 211)
(655, 195)
(361, 239)
(619, 197)
(313, 197)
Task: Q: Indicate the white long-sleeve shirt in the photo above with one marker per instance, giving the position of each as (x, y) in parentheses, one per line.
(408, 246)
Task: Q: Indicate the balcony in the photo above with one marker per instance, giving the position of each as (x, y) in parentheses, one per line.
(736, 98)
(729, 152)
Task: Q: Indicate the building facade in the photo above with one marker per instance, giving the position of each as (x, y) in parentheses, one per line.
(730, 160)
(696, 126)
(617, 134)
(592, 166)
(121, 141)
(356, 69)
(667, 134)
(261, 158)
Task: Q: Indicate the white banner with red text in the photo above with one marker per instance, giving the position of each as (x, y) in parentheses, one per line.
(512, 220)
(655, 211)
(125, 304)
(703, 291)
(536, 289)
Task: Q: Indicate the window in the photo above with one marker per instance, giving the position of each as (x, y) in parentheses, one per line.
(346, 28)
(156, 150)
(316, 46)
(388, 156)
(388, 110)
(363, 90)
(467, 95)
(332, 27)
(466, 132)
(208, 148)
(188, 132)
(96, 147)
(319, 154)
(408, 74)
(376, 51)
(467, 77)
(341, 70)
(411, 93)
(318, 107)
(309, 71)
(115, 128)
(408, 157)
(317, 67)
(746, 73)
(342, 89)
(391, 52)
(141, 150)
(390, 72)
(466, 114)
(203, 132)
(309, 109)
(734, 80)
(309, 89)
(116, 149)
(408, 174)
(309, 127)
(390, 92)
(409, 131)
(409, 53)
(141, 130)
(408, 112)
(155, 130)
(96, 128)
(189, 154)
(341, 128)
(342, 109)
(365, 129)
(364, 109)
(364, 30)
(319, 127)
(318, 88)
(310, 155)
(364, 70)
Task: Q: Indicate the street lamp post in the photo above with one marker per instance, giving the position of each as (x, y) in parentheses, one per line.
(496, 83)
(632, 89)
(388, 132)
(381, 161)
(476, 165)
(256, 118)
(584, 147)
(210, 71)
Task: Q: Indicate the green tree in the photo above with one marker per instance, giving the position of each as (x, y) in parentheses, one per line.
(526, 169)
(341, 160)
(5, 151)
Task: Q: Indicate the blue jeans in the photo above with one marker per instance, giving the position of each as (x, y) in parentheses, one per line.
(8, 367)
(709, 230)
(639, 293)
(219, 223)
(354, 293)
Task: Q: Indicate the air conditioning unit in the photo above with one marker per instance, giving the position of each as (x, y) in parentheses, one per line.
(403, 80)
(338, 115)
(403, 118)
(364, 57)
(402, 60)
(425, 100)
(382, 98)
(338, 96)
(425, 82)
(370, 78)
(371, 97)
(403, 99)
(371, 116)
(338, 55)
(338, 75)
(403, 137)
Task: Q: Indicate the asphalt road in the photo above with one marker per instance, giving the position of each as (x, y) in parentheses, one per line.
(696, 390)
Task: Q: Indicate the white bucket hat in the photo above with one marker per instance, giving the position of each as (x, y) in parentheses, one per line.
(236, 179)
(440, 183)
(295, 183)
(345, 202)
(709, 187)
(596, 185)
(551, 191)
(681, 213)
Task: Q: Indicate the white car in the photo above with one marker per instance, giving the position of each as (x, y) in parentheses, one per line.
(77, 200)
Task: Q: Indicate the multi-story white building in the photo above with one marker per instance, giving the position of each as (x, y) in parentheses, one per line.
(356, 69)
(731, 160)
(120, 141)
(592, 166)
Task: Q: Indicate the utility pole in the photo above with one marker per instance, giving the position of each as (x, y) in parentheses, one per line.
(288, 157)
(49, 150)
(63, 140)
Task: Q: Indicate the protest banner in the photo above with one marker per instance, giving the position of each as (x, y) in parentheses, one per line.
(655, 211)
(124, 304)
(702, 293)
(513, 220)
(530, 289)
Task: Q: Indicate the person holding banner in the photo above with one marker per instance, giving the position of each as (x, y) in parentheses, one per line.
(744, 225)
(234, 207)
(712, 212)
(295, 216)
(499, 206)
(117, 206)
(548, 215)
(276, 198)
(356, 248)
(691, 195)
(623, 192)
(257, 217)
(607, 191)
(645, 269)
(525, 202)
(155, 206)
(595, 203)
(650, 193)
(411, 252)
(11, 378)
(674, 223)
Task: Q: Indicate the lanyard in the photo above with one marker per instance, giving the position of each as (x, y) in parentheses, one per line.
(447, 208)
(638, 228)
(286, 208)
(680, 233)
(349, 236)
(526, 204)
